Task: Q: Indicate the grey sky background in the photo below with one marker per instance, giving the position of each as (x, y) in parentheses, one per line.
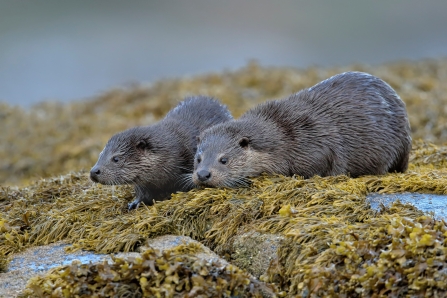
(67, 50)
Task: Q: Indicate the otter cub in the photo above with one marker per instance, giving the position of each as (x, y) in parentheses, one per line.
(158, 159)
(352, 123)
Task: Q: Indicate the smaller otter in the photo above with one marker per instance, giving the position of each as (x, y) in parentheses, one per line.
(158, 159)
(352, 123)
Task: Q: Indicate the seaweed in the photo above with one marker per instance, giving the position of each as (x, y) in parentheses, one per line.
(390, 256)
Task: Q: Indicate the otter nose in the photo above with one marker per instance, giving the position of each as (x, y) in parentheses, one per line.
(94, 173)
(203, 175)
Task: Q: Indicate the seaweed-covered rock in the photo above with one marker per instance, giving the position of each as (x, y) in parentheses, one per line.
(389, 256)
(172, 273)
(429, 203)
(40, 259)
(312, 216)
(332, 241)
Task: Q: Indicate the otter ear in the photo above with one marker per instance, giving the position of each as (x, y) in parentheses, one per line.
(143, 145)
(243, 142)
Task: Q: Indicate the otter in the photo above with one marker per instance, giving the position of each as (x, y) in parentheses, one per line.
(352, 123)
(157, 159)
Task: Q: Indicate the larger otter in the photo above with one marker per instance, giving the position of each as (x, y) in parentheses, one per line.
(158, 159)
(352, 123)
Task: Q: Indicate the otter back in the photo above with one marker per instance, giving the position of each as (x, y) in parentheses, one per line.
(158, 159)
(352, 123)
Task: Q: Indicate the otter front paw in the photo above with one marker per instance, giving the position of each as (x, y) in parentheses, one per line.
(134, 204)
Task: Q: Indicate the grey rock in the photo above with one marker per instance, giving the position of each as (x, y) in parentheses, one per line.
(170, 241)
(39, 260)
(254, 251)
(430, 203)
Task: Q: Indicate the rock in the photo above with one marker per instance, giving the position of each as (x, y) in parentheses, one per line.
(437, 204)
(168, 266)
(37, 261)
(170, 241)
(253, 251)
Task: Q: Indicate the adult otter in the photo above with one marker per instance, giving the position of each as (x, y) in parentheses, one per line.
(159, 158)
(352, 123)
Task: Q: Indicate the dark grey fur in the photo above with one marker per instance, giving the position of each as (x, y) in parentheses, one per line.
(352, 123)
(158, 159)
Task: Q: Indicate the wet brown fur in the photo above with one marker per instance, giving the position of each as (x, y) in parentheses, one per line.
(158, 159)
(352, 123)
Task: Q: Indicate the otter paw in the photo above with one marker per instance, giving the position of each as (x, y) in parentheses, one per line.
(134, 204)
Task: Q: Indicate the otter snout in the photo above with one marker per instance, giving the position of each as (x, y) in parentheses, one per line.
(94, 174)
(203, 175)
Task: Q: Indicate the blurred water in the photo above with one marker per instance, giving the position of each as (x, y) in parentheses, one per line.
(64, 50)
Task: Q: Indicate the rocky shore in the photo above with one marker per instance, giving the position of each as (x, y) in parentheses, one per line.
(283, 236)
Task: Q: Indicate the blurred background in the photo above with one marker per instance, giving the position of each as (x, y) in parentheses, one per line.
(66, 50)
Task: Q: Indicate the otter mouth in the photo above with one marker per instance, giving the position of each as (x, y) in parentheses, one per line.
(98, 178)
(110, 183)
(233, 183)
(239, 182)
(199, 183)
(207, 184)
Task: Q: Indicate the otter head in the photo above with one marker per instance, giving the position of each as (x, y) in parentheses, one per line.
(224, 157)
(126, 158)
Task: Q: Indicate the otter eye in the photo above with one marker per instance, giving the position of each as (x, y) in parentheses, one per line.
(199, 159)
(115, 159)
(223, 160)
